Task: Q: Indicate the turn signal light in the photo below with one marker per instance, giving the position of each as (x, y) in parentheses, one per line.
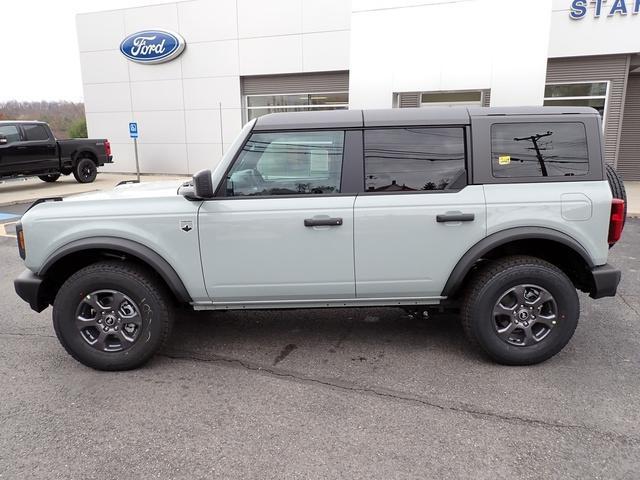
(20, 237)
(107, 147)
(616, 221)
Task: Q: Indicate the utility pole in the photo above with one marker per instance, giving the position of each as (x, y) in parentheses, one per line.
(534, 139)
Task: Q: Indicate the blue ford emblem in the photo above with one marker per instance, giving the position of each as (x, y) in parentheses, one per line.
(152, 46)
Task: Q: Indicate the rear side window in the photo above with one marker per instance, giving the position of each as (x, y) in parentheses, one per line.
(539, 150)
(35, 132)
(413, 159)
(10, 132)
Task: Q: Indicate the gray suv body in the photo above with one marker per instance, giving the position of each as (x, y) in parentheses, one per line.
(498, 214)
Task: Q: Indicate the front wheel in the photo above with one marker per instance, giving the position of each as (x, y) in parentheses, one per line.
(112, 316)
(520, 310)
(85, 171)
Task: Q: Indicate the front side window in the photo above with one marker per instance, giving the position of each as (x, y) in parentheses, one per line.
(288, 163)
(413, 159)
(258, 105)
(539, 150)
(35, 132)
(10, 132)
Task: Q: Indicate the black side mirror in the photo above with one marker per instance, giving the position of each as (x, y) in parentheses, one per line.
(202, 184)
(3, 140)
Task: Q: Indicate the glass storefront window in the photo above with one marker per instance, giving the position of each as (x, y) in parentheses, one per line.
(258, 105)
(441, 99)
(591, 94)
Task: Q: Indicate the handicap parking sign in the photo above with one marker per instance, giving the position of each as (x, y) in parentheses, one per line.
(133, 130)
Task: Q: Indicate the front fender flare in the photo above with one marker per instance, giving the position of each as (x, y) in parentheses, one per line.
(130, 247)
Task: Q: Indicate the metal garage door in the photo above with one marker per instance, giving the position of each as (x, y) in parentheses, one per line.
(629, 152)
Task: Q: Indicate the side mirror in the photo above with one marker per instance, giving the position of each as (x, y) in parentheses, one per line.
(202, 184)
(3, 140)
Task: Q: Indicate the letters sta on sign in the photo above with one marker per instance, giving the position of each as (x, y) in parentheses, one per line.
(153, 46)
(601, 7)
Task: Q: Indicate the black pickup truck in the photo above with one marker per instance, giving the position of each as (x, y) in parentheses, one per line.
(29, 148)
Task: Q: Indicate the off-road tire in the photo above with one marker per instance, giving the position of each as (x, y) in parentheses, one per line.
(85, 170)
(137, 283)
(49, 178)
(485, 288)
(617, 187)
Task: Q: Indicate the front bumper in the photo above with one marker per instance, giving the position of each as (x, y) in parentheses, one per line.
(605, 281)
(29, 288)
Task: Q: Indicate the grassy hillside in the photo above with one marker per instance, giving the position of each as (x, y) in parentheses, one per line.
(64, 118)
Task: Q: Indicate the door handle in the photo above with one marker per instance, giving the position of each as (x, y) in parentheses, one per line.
(322, 222)
(455, 217)
(21, 148)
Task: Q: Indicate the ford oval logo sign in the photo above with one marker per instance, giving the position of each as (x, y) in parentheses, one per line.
(152, 46)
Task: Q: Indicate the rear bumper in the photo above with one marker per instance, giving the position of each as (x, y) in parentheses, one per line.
(29, 288)
(605, 281)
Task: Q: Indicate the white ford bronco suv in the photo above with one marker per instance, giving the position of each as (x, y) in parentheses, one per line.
(498, 214)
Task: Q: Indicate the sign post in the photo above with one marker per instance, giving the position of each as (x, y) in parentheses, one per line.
(133, 133)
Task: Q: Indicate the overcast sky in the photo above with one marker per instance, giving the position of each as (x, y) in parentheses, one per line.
(40, 49)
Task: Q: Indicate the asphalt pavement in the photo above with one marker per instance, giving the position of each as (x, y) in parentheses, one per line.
(344, 394)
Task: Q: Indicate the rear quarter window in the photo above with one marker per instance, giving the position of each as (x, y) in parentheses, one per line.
(557, 149)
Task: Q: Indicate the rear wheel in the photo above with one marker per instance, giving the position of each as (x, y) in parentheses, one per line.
(520, 310)
(49, 178)
(85, 171)
(112, 316)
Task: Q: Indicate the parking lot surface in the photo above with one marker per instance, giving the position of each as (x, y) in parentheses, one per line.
(343, 393)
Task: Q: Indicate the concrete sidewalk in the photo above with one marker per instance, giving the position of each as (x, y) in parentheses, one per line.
(633, 199)
(30, 189)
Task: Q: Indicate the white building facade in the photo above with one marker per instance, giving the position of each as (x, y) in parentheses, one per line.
(245, 58)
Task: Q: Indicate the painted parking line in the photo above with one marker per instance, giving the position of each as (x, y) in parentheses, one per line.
(7, 216)
(4, 232)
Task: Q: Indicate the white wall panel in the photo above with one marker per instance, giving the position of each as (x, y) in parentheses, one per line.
(157, 95)
(593, 36)
(211, 59)
(203, 126)
(258, 18)
(163, 158)
(259, 56)
(107, 97)
(160, 127)
(325, 51)
(325, 15)
(123, 158)
(448, 46)
(110, 26)
(114, 126)
(103, 67)
(207, 20)
(161, 71)
(204, 155)
(152, 17)
(206, 93)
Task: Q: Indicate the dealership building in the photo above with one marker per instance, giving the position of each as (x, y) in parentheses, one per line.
(191, 73)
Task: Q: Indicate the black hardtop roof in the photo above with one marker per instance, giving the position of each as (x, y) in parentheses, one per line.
(391, 117)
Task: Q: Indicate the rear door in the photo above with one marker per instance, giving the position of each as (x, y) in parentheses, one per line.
(9, 152)
(281, 230)
(38, 151)
(417, 216)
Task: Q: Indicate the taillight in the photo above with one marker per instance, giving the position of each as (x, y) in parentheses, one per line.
(107, 147)
(616, 221)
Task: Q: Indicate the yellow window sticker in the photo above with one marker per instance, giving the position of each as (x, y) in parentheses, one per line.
(504, 160)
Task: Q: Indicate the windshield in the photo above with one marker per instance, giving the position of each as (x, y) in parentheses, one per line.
(235, 146)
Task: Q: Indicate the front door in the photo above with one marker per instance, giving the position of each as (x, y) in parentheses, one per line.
(38, 151)
(417, 216)
(9, 152)
(280, 230)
